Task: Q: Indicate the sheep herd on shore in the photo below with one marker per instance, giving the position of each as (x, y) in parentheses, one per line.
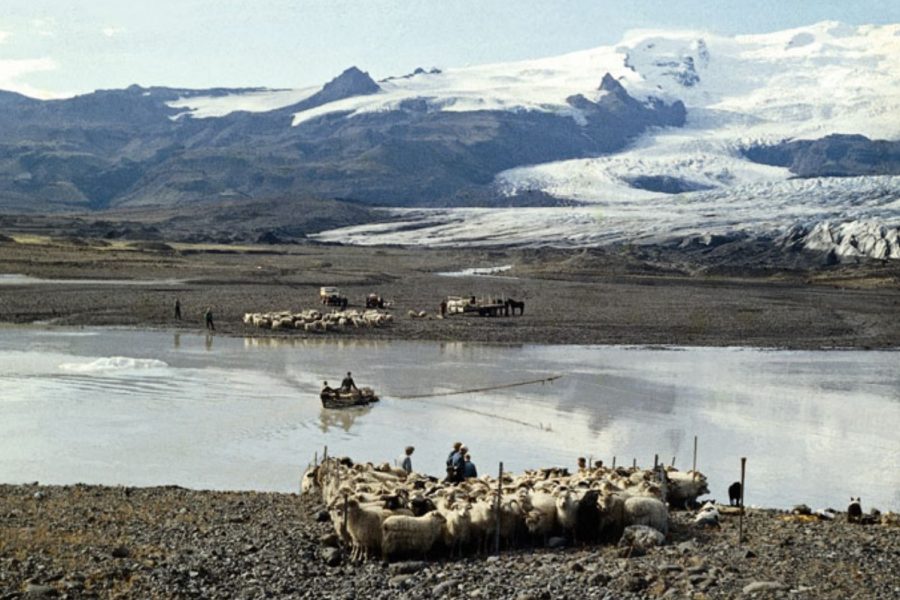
(381, 511)
(315, 321)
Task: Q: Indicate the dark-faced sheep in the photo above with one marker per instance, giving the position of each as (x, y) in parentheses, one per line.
(734, 494)
(854, 511)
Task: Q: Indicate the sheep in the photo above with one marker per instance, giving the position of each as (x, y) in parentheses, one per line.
(308, 481)
(364, 525)
(567, 511)
(401, 535)
(645, 510)
(707, 516)
(734, 494)
(685, 487)
(541, 519)
(854, 511)
(458, 532)
(587, 506)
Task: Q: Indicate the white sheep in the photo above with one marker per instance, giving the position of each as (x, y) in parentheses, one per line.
(645, 510)
(401, 535)
(364, 527)
(685, 487)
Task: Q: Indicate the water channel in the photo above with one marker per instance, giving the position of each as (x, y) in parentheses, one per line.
(133, 407)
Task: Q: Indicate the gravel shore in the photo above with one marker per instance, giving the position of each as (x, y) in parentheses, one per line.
(167, 542)
(571, 297)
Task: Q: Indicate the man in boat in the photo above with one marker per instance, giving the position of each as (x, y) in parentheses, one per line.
(327, 389)
(348, 384)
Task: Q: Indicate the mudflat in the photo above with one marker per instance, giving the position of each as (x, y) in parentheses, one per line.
(570, 296)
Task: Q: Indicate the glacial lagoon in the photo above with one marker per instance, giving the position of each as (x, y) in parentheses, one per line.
(131, 407)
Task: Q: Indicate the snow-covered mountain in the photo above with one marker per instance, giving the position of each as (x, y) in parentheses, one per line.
(664, 135)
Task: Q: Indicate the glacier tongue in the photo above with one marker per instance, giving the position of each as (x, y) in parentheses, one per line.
(854, 216)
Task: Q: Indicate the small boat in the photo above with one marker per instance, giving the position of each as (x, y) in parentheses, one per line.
(339, 399)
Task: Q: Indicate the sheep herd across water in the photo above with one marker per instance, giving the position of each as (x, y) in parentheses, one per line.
(315, 321)
(381, 511)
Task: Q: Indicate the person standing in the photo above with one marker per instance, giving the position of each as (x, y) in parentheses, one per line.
(469, 470)
(348, 384)
(458, 464)
(450, 460)
(406, 459)
(177, 309)
(208, 317)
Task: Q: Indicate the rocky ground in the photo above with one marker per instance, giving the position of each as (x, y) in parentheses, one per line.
(571, 296)
(89, 541)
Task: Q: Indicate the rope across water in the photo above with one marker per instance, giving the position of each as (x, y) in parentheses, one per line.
(482, 389)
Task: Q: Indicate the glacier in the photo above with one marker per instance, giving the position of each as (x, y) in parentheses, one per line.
(739, 91)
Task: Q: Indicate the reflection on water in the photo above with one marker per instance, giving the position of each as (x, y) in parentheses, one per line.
(114, 406)
(343, 418)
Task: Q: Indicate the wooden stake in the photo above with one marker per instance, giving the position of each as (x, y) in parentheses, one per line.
(614, 462)
(741, 518)
(325, 454)
(497, 511)
(655, 461)
(316, 458)
(694, 468)
(673, 461)
(634, 463)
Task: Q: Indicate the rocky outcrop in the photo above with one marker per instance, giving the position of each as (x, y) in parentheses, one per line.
(831, 156)
(847, 240)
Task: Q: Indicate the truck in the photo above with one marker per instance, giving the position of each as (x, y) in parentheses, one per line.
(331, 296)
(483, 307)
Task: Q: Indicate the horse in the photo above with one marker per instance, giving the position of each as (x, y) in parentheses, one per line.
(513, 305)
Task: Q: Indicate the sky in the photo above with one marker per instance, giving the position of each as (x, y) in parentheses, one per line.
(54, 48)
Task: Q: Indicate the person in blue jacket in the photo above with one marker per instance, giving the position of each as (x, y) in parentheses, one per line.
(469, 470)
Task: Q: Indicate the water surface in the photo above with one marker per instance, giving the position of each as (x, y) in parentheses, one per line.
(146, 408)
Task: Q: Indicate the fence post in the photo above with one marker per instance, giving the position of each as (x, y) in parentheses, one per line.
(741, 518)
(497, 504)
(694, 468)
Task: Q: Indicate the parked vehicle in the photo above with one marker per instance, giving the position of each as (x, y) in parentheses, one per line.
(331, 296)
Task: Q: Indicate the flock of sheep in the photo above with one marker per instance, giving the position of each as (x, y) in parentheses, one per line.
(318, 322)
(381, 511)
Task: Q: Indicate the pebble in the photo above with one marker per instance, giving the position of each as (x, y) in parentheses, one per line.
(763, 586)
(280, 549)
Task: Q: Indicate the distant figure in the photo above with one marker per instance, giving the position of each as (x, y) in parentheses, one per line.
(458, 464)
(469, 470)
(177, 309)
(598, 464)
(406, 459)
(327, 389)
(443, 308)
(208, 317)
(854, 511)
(582, 463)
(734, 494)
(348, 384)
(452, 459)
